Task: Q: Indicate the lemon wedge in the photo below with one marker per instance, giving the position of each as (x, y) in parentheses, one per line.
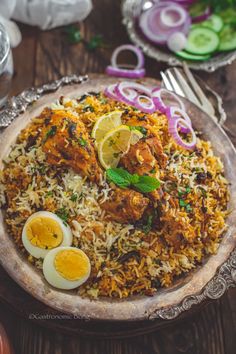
(105, 123)
(115, 144)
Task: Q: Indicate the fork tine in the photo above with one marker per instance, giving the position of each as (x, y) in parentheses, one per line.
(186, 88)
(202, 97)
(175, 84)
(166, 82)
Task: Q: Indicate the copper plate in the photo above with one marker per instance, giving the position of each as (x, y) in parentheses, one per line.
(208, 281)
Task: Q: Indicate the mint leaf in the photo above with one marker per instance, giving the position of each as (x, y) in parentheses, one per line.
(134, 178)
(146, 184)
(119, 176)
(124, 179)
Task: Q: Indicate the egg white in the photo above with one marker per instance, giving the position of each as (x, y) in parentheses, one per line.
(38, 252)
(54, 278)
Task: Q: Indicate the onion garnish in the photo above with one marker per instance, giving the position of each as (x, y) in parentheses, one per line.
(148, 101)
(173, 16)
(164, 99)
(127, 73)
(136, 72)
(174, 125)
(156, 24)
(123, 91)
(174, 112)
(145, 104)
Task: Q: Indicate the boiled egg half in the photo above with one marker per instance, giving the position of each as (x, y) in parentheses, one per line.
(66, 267)
(44, 231)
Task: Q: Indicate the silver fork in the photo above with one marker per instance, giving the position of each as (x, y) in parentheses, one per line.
(185, 85)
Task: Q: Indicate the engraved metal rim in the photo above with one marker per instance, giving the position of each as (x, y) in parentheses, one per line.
(226, 274)
(129, 8)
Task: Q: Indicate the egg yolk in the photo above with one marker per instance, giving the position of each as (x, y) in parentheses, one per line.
(71, 264)
(44, 232)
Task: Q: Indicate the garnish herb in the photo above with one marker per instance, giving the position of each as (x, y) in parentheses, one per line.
(187, 206)
(74, 34)
(74, 197)
(51, 132)
(82, 142)
(49, 194)
(148, 226)
(139, 128)
(88, 108)
(124, 179)
(63, 214)
(95, 42)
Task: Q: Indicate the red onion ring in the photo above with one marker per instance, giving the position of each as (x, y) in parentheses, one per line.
(173, 130)
(148, 107)
(152, 27)
(162, 104)
(136, 72)
(174, 112)
(122, 88)
(128, 73)
(110, 92)
(176, 10)
(132, 48)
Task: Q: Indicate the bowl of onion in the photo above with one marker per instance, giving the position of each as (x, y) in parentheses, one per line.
(203, 32)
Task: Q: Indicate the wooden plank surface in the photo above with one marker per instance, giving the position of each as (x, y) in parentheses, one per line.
(45, 56)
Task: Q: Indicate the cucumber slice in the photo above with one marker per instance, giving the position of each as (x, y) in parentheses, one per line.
(227, 38)
(202, 41)
(214, 22)
(188, 56)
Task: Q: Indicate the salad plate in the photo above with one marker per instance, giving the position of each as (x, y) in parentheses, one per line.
(130, 13)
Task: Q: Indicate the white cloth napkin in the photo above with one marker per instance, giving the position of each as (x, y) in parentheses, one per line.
(45, 14)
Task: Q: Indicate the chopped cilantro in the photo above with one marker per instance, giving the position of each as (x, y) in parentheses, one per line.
(74, 197)
(63, 214)
(139, 128)
(188, 189)
(51, 132)
(153, 170)
(187, 206)
(182, 203)
(147, 227)
(49, 194)
(74, 34)
(88, 108)
(82, 142)
(95, 42)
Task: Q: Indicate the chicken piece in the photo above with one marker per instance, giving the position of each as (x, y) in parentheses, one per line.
(139, 159)
(125, 205)
(66, 143)
(177, 232)
(151, 138)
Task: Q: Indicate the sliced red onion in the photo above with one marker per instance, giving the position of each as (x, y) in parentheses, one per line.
(128, 73)
(152, 27)
(174, 112)
(136, 72)
(176, 42)
(164, 98)
(137, 51)
(110, 92)
(173, 16)
(173, 130)
(202, 17)
(123, 89)
(145, 104)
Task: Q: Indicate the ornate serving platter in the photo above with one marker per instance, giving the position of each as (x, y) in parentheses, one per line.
(209, 281)
(130, 10)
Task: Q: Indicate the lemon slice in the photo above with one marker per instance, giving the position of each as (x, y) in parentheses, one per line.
(105, 123)
(116, 143)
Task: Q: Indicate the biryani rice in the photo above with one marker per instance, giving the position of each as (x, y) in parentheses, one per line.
(125, 260)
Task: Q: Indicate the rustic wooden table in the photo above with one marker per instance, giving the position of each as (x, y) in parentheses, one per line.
(45, 56)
